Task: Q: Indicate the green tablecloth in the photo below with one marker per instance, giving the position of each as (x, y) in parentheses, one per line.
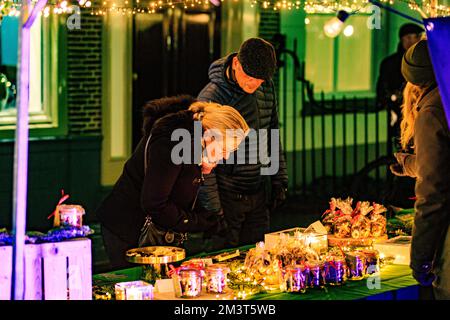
(392, 279)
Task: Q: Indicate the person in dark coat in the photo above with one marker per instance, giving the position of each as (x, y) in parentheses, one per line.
(239, 191)
(424, 123)
(391, 82)
(164, 189)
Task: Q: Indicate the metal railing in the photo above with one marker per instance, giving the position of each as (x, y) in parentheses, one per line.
(319, 165)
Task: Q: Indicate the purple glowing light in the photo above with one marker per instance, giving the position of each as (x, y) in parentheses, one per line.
(21, 151)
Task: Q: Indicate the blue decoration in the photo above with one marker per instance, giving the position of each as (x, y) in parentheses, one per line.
(54, 235)
(438, 34)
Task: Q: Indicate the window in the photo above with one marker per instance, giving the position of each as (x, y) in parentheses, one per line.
(45, 89)
(339, 65)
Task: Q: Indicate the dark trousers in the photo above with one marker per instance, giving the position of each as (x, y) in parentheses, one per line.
(247, 216)
(115, 249)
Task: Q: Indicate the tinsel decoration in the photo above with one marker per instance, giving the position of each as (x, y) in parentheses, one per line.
(54, 235)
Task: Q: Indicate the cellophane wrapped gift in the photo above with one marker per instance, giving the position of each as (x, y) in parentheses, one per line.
(293, 251)
(343, 226)
(378, 221)
(329, 216)
(262, 266)
(361, 225)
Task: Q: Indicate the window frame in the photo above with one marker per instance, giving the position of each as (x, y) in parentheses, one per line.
(52, 121)
(374, 60)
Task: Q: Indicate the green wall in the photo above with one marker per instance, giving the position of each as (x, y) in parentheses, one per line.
(383, 42)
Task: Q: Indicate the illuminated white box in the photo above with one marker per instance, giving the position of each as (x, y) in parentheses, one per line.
(399, 248)
(316, 241)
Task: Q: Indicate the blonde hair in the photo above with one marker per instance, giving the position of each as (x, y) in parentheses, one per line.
(221, 118)
(412, 94)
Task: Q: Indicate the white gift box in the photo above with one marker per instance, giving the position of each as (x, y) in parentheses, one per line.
(399, 248)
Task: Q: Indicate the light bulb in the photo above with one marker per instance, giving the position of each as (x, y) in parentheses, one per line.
(348, 31)
(335, 25)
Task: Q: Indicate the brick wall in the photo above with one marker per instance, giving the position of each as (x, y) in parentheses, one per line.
(269, 25)
(84, 75)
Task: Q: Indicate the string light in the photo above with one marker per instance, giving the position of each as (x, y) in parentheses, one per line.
(424, 7)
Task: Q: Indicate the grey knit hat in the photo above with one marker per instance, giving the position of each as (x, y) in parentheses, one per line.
(258, 59)
(416, 64)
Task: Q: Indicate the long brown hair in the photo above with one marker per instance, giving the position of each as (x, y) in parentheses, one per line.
(412, 94)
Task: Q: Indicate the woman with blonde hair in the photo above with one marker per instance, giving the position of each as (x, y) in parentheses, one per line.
(154, 202)
(424, 127)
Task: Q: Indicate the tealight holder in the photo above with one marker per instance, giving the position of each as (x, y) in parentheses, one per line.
(372, 261)
(317, 274)
(335, 271)
(187, 283)
(296, 279)
(356, 265)
(216, 278)
(134, 290)
(71, 215)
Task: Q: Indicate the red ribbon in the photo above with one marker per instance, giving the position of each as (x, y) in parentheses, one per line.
(358, 206)
(174, 270)
(338, 214)
(326, 212)
(63, 198)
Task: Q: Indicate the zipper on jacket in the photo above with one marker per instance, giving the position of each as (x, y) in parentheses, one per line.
(148, 219)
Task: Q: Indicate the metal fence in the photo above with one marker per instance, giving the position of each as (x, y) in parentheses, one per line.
(319, 164)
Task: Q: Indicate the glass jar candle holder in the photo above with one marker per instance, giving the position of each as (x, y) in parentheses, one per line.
(216, 278)
(296, 279)
(188, 283)
(335, 271)
(356, 265)
(316, 274)
(134, 290)
(71, 215)
(195, 264)
(372, 261)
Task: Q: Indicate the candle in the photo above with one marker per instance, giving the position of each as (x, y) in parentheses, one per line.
(296, 279)
(356, 265)
(317, 274)
(71, 215)
(187, 283)
(372, 261)
(216, 278)
(335, 271)
(134, 290)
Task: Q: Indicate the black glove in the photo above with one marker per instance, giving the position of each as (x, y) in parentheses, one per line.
(278, 196)
(423, 275)
(397, 170)
(219, 227)
(197, 221)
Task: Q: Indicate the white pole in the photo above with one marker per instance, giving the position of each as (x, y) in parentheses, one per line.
(21, 149)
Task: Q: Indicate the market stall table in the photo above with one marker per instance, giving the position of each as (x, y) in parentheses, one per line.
(396, 283)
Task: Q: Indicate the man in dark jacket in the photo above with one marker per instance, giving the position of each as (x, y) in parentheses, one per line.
(391, 81)
(243, 80)
(430, 248)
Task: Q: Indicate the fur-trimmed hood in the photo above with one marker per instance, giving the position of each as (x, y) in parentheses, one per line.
(159, 108)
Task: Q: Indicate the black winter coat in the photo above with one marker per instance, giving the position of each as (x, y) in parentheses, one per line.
(166, 191)
(391, 81)
(260, 112)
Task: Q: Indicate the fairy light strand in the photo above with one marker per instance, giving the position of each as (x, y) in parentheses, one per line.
(130, 7)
